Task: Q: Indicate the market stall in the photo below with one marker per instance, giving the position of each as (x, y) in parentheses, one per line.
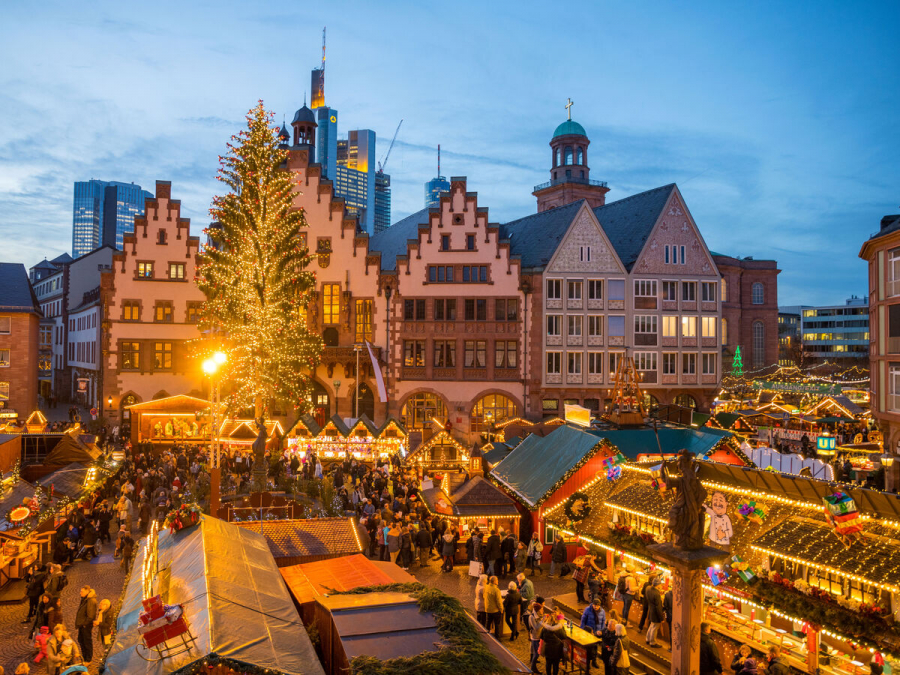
(814, 567)
(393, 625)
(222, 582)
(169, 420)
(362, 440)
(440, 452)
(239, 434)
(470, 503)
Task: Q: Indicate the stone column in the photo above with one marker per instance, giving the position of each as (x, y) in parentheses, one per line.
(687, 600)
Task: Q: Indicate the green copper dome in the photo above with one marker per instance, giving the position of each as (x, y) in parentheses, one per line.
(569, 128)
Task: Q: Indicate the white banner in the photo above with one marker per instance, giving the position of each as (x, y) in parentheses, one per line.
(379, 378)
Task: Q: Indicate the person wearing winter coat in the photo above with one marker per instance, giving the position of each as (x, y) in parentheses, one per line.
(492, 553)
(508, 554)
(655, 612)
(534, 623)
(62, 651)
(512, 606)
(104, 622)
(743, 662)
(593, 620)
(493, 606)
(84, 622)
(48, 613)
(621, 659)
(405, 548)
(393, 543)
(776, 665)
(710, 663)
(535, 549)
(520, 557)
(553, 635)
(608, 640)
(526, 590)
(423, 541)
(480, 611)
(557, 556)
(34, 589)
(448, 551)
(40, 643)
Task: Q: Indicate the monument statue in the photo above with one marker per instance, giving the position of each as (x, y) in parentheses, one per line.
(260, 469)
(259, 445)
(686, 515)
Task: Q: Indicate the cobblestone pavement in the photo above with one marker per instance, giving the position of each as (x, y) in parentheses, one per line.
(460, 585)
(103, 574)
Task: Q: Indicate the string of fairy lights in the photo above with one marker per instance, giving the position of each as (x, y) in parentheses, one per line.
(254, 274)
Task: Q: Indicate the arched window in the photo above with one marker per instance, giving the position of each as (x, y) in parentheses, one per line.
(489, 410)
(321, 404)
(724, 332)
(580, 157)
(686, 401)
(759, 344)
(558, 160)
(650, 401)
(568, 155)
(759, 294)
(420, 409)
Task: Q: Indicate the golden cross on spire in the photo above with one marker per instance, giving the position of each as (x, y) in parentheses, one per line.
(569, 105)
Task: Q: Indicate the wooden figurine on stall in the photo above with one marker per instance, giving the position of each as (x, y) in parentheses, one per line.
(686, 515)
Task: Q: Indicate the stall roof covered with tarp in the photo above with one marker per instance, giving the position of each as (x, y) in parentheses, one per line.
(310, 580)
(72, 448)
(635, 442)
(234, 600)
(67, 481)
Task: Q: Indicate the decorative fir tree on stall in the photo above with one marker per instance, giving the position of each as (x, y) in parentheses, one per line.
(254, 276)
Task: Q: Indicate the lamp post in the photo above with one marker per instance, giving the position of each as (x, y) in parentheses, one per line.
(211, 367)
(337, 388)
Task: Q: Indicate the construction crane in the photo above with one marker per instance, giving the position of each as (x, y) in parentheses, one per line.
(383, 162)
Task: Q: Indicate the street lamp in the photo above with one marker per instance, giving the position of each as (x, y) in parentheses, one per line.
(210, 367)
(337, 388)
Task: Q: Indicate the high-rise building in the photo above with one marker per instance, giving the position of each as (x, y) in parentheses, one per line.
(382, 201)
(103, 211)
(436, 186)
(354, 176)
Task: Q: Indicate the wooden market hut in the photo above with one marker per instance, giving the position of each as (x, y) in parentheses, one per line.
(441, 452)
(387, 626)
(731, 421)
(472, 502)
(548, 469)
(836, 406)
(239, 434)
(10, 451)
(234, 599)
(362, 440)
(294, 542)
(169, 420)
(309, 581)
(800, 569)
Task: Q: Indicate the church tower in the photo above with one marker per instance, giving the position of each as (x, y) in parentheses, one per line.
(570, 176)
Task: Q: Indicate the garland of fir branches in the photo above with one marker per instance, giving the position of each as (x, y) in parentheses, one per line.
(467, 654)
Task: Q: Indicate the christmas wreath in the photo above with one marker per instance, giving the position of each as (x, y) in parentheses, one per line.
(185, 516)
(577, 508)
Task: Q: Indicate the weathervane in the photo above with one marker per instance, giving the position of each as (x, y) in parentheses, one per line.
(569, 105)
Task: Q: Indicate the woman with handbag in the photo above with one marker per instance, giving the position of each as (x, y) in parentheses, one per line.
(621, 659)
(581, 575)
(553, 637)
(104, 622)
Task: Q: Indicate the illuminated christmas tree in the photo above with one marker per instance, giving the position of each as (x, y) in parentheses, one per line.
(254, 275)
(737, 365)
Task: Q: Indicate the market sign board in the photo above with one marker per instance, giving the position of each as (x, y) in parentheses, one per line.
(822, 388)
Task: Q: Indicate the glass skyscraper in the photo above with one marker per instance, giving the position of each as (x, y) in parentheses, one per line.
(382, 202)
(354, 178)
(103, 212)
(433, 190)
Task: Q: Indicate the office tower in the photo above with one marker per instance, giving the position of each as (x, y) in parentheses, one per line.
(326, 140)
(354, 177)
(436, 186)
(382, 201)
(103, 212)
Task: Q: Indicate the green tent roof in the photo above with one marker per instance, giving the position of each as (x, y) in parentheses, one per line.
(533, 468)
(634, 442)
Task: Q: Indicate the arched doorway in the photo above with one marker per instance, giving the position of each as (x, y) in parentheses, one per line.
(321, 404)
(418, 411)
(650, 402)
(489, 410)
(126, 401)
(366, 402)
(686, 401)
(331, 337)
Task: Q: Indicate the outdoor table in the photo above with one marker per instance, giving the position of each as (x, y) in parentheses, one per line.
(578, 640)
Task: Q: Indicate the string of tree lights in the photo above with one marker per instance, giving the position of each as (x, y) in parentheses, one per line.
(254, 275)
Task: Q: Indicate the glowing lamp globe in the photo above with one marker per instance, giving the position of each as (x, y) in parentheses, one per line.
(826, 442)
(210, 366)
(220, 358)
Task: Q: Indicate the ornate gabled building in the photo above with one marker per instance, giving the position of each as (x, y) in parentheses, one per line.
(150, 310)
(457, 339)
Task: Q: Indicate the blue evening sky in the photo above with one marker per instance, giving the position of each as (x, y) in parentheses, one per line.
(778, 120)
